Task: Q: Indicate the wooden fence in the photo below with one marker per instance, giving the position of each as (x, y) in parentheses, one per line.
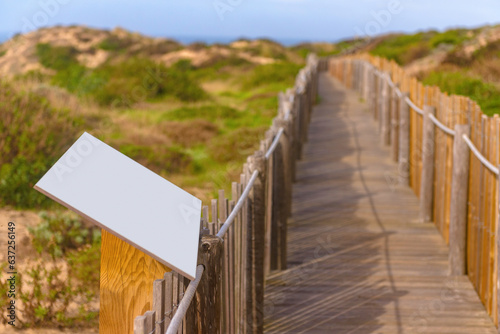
(242, 236)
(448, 152)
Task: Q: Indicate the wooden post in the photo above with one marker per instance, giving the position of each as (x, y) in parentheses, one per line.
(256, 241)
(373, 93)
(208, 295)
(280, 197)
(427, 180)
(190, 320)
(395, 125)
(299, 123)
(458, 203)
(404, 142)
(381, 103)
(385, 129)
(121, 278)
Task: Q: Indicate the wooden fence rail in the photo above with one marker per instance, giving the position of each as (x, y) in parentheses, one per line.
(447, 151)
(236, 254)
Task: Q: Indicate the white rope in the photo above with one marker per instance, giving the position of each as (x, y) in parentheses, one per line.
(186, 300)
(274, 143)
(238, 206)
(389, 80)
(287, 115)
(441, 125)
(396, 88)
(478, 154)
(414, 106)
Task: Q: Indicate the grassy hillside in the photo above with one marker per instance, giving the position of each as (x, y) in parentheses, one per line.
(190, 113)
(459, 61)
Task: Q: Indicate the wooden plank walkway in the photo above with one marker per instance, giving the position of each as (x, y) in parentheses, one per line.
(359, 260)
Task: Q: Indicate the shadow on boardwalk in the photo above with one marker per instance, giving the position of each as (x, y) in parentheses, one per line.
(359, 261)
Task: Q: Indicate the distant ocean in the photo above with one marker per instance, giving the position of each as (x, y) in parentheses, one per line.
(205, 39)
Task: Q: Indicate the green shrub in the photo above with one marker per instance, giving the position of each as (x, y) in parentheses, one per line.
(17, 179)
(282, 73)
(32, 137)
(57, 234)
(56, 57)
(485, 94)
(115, 43)
(48, 289)
(403, 49)
(120, 84)
(490, 50)
(452, 37)
(2, 53)
(140, 79)
(70, 77)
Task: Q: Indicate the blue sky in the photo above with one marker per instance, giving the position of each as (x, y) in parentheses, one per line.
(328, 20)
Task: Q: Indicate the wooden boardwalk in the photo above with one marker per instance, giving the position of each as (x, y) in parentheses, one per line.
(359, 260)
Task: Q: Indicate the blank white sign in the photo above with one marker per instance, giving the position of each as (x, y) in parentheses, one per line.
(128, 200)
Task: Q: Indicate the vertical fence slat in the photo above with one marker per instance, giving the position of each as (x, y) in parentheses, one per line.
(244, 324)
(168, 308)
(140, 325)
(180, 295)
(395, 125)
(225, 256)
(231, 271)
(159, 304)
(404, 142)
(426, 186)
(458, 207)
(175, 292)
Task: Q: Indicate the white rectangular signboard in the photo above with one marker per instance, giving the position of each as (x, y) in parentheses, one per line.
(128, 200)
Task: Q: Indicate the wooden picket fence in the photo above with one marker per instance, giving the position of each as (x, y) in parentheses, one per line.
(448, 152)
(236, 254)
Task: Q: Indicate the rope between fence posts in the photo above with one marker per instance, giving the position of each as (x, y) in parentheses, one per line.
(396, 88)
(441, 125)
(185, 302)
(398, 91)
(478, 154)
(238, 206)
(274, 143)
(414, 106)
